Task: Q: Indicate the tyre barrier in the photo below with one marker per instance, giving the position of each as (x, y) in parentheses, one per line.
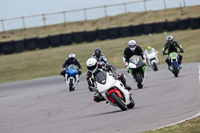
(125, 31)
(183, 24)
(79, 37)
(43, 43)
(67, 39)
(172, 25)
(113, 33)
(91, 36)
(31, 44)
(148, 28)
(194, 23)
(102, 34)
(160, 27)
(7, 47)
(55, 41)
(137, 30)
(19, 46)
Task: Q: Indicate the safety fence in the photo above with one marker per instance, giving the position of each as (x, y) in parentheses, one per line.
(99, 34)
(92, 13)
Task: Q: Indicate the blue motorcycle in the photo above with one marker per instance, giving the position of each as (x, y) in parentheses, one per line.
(175, 66)
(72, 77)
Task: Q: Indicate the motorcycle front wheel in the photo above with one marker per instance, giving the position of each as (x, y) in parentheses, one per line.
(138, 79)
(118, 101)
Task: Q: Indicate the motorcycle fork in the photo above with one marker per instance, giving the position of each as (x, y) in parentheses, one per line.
(116, 91)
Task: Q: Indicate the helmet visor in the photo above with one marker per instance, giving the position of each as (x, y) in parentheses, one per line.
(132, 46)
(91, 68)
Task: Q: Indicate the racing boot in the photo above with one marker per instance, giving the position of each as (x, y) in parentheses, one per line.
(128, 87)
(98, 98)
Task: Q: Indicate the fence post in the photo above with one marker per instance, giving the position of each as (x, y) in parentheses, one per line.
(2, 25)
(64, 17)
(145, 8)
(85, 14)
(165, 4)
(105, 11)
(44, 19)
(184, 3)
(23, 23)
(125, 8)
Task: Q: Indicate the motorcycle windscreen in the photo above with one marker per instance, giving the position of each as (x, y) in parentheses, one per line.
(173, 55)
(72, 70)
(136, 60)
(101, 77)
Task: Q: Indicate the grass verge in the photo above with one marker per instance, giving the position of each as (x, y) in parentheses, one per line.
(110, 21)
(190, 126)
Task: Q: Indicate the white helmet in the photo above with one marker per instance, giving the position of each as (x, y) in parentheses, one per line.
(170, 39)
(72, 55)
(132, 45)
(91, 65)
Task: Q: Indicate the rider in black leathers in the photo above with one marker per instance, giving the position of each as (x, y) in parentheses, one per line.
(172, 46)
(69, 61)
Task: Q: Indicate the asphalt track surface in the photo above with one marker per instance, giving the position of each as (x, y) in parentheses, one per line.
(46, 106)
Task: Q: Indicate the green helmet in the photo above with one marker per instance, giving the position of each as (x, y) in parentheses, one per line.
(148, 47)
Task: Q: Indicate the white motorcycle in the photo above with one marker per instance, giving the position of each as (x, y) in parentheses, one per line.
(72, 77)
(152, 59)
(113, 91)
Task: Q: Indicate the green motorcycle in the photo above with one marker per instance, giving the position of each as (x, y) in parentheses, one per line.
(137, 69)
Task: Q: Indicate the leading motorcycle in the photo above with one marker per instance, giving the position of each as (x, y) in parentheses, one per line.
(137, 70)
(71, 77)
(113, 91)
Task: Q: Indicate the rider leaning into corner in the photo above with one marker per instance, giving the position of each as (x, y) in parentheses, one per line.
(172, 46)
(132, 49)
(100, 57)
(71, 60)
(93, 68)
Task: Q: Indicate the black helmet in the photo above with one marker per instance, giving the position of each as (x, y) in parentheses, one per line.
(97, 52)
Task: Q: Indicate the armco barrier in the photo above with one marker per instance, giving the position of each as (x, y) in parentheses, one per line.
(7, 47)
(148, 28)
(79, 37)
(55, 40)
(172, 25)
(160, 27)
(91, 36)
(102, 34)
(19, 46)
(137, 30)
(194, 23)
(183, 24)
(31, 44)
(125, 31)
(113, 33)
(67, 39)
(43, 43)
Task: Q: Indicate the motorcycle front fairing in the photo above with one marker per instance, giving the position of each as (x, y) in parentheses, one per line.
(72, 73)
(106, 83)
